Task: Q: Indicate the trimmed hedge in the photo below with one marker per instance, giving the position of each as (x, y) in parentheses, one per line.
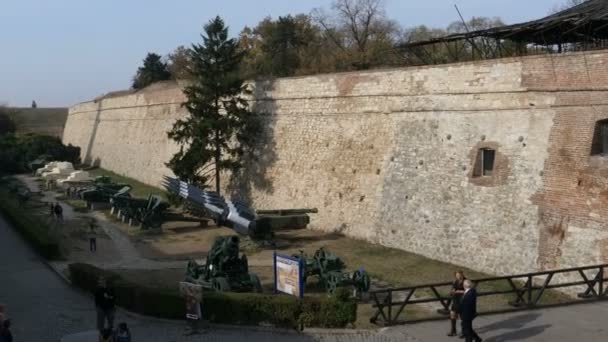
(227, 307)
(32, 228)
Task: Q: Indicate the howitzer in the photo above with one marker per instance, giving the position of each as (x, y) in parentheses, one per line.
(236, 214)
(103, 192)
(148, 213)
(224, 270)
(330, 270)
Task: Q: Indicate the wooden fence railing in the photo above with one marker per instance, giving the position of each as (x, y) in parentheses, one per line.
(528, 290)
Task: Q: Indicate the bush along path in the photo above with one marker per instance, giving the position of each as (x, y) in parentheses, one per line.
(229, 308)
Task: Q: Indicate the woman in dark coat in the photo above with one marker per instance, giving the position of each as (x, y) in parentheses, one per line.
(456, 293)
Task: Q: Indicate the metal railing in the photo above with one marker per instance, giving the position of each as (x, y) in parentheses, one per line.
(528, 290)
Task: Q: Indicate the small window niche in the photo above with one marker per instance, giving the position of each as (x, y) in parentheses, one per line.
(484, 163)
(599, 146)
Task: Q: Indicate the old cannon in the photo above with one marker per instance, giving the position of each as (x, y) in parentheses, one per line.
(330, 270)
(101, 193)
(224, 270)
(237, 214)
(147, 213)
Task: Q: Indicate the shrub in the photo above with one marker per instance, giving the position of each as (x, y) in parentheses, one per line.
(32, 228)
(7, 125)
(16, 151)
(228, 308)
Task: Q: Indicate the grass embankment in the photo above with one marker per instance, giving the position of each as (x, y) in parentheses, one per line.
(139, 189)
(47, 121)
(30, 219)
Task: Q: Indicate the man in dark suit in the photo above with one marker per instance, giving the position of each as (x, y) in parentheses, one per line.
(468, 311)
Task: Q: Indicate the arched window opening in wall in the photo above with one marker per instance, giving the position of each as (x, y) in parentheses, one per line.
(484, 162)
(600, 139)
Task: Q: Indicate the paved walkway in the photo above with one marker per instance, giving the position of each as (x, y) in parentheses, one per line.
(575, 323)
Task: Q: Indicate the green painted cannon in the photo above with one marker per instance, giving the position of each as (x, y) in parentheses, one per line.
(101, 193)
(224, 270)
(330, 270)
(147, 213)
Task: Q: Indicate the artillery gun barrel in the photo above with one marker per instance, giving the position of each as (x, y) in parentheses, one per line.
(287, 212)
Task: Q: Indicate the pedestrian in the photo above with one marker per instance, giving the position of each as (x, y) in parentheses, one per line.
(52, 213)
(123, 334)
(59, 212)
(106, 336)
(104, 304)
(468, 312)
(5, 334)
(92, 238)
(2, 315)
(456, 293)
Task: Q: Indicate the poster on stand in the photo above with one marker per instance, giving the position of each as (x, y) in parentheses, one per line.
(288, 275)
(193, 293)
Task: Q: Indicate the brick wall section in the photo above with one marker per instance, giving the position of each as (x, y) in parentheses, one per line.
(387, 155)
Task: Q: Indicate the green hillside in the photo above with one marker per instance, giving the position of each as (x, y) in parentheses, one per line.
(48, 121)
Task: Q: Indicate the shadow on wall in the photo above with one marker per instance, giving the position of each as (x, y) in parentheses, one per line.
(87, 153)
(262, 155)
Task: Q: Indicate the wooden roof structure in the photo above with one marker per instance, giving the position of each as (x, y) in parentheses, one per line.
(586, 22)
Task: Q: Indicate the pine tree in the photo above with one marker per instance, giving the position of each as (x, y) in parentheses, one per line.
(153, 70)
(218, 131)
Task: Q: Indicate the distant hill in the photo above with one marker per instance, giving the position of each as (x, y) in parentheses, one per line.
(48, 121)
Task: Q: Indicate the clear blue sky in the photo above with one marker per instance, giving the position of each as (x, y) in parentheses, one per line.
(60, 52)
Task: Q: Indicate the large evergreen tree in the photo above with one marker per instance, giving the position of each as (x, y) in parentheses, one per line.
(153, 70)
(220, 126)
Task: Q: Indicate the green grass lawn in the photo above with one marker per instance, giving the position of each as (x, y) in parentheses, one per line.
(139, 189)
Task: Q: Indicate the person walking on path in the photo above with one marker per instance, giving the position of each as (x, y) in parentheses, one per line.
(2, 316)
(456, 293)
(52, 212)
(106, 336)
(5, 333)
(59, 212)
(123, 334)
(92, 238)
(104, 304)
(468, 312)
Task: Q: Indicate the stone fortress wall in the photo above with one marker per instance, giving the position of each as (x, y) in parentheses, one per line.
(389, 155)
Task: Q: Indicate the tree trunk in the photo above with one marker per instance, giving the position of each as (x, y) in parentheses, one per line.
(217, 161)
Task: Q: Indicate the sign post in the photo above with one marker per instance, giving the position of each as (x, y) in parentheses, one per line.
(288, 275)
(193, 294)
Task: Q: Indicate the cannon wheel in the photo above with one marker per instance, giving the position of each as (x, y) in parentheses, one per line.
(220, 284)
(255, 281)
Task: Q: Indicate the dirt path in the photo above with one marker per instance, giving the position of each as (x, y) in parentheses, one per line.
(122, 254)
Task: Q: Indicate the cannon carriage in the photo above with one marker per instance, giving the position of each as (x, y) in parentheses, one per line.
(146, 213)
(330, 270)
(224, 270)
